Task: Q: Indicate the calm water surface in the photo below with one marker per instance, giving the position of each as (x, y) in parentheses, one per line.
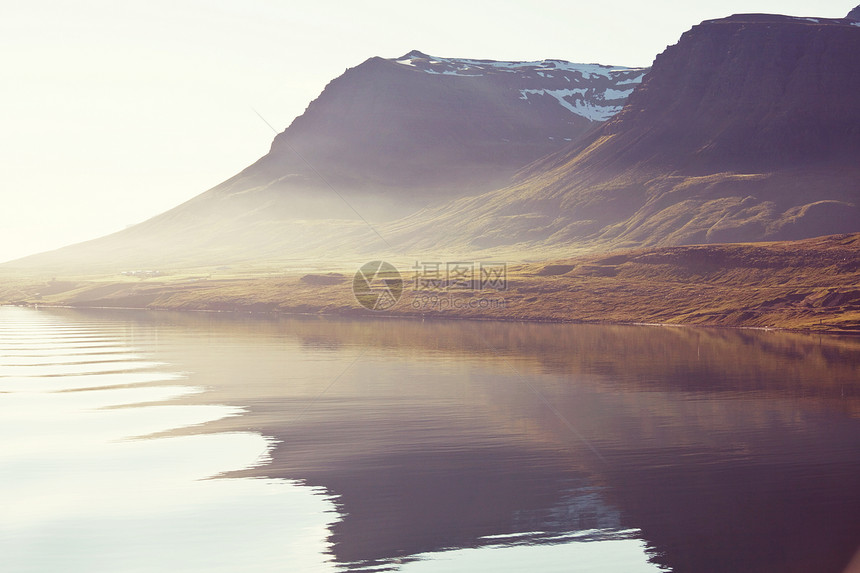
(135, 441)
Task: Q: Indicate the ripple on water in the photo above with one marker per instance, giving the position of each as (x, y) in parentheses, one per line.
(81, 491)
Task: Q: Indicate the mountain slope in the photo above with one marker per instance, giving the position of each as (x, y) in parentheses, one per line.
(390, 135)
(417, 125)
(747, 129)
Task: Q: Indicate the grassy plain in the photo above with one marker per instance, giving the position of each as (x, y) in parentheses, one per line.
(809, 285)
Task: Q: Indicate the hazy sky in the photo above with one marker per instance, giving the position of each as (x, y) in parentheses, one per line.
(114, 112)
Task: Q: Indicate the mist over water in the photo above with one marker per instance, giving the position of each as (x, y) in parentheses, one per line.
(421, 446)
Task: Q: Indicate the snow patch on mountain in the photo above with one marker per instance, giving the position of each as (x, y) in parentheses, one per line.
(592, 111)
(589, 109)
(554, 93)
(595, 83)
(617, 94)
(636, 80)
(542, 68)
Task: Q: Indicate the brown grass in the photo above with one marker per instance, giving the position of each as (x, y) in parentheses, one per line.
(798, 285)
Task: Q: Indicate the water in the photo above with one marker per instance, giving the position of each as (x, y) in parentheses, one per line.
(135, 441)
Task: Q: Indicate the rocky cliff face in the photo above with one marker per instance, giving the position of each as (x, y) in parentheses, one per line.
(747, 129)
(750, 92)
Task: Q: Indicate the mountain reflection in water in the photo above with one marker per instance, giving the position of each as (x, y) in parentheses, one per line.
(708, 450)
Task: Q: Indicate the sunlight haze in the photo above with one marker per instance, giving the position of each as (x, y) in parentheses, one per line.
(115, 112)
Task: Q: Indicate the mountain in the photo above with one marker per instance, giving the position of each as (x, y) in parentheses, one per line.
(397, 131)
(384, 139)
(747, 129)
(391, 134)
(854, 14)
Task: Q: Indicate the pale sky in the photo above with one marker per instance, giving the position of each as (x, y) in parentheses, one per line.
(114, 112)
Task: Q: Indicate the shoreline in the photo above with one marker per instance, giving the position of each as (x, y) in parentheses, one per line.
(452, 317)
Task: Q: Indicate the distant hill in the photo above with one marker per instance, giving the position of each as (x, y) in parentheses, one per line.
(747, 129)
